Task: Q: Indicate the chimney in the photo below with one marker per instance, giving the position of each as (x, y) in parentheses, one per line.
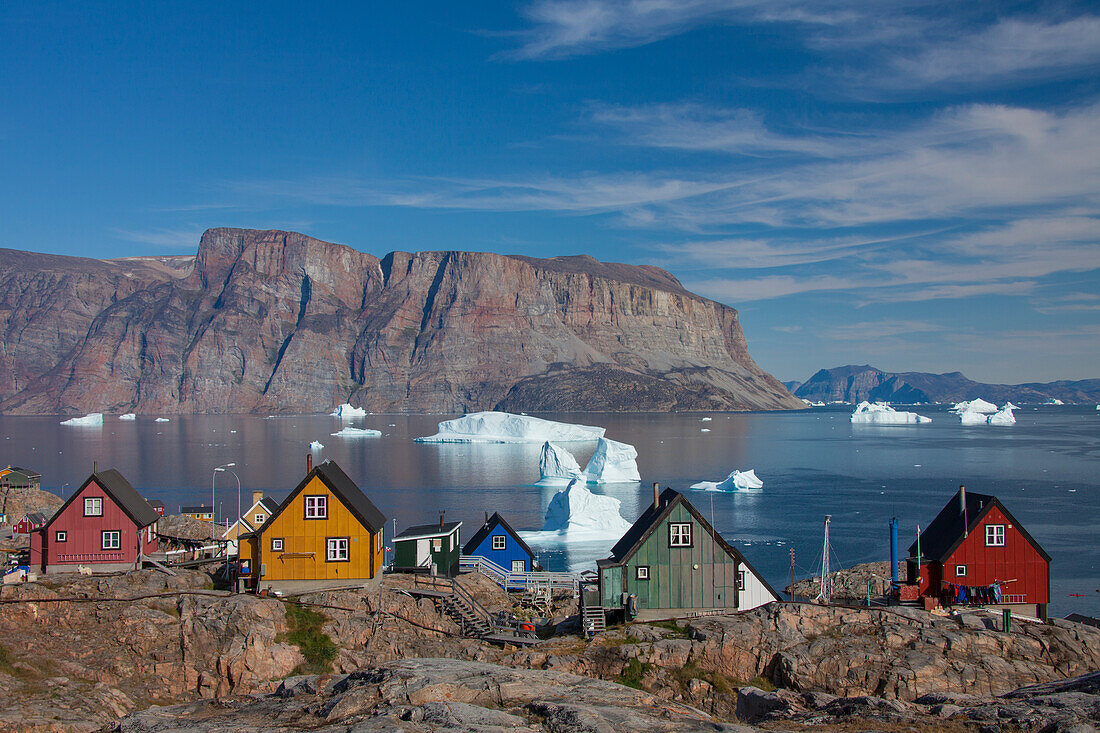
(441, 520)
(486, 517)
(93, 466)
(656, 495)
(256, 496)
(962, 510)
(309, 462)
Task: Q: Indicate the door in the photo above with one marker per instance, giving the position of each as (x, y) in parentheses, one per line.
(519, 566)
(422, 552)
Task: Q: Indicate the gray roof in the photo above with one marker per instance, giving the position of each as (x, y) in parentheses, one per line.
(122, 493)
(344, 489)
(196, 509)
(269, 504)
(428, 530)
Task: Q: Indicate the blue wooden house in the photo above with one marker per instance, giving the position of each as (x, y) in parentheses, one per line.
(498, 542)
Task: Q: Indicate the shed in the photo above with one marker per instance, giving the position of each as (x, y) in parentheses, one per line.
(14, 477)
(198, 511)
(497, 542)
(420, 547)
(29, 522)
(976, 553)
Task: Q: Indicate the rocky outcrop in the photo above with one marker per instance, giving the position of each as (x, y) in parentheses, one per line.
(858, 383)
(270, 321)
(437, 694)
(852, 584)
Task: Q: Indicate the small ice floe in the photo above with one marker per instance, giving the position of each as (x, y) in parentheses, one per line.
(881, 413)
(91, 420)
(350, 432)
(504, 427)
(1054, 401)
(704, 430)
(316, 445)
(736, 481)
(706, 419)
(347, 412)
(128, 416)
(162, 419)
(232, 431)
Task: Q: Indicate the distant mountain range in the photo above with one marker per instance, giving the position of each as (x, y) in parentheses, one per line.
(857, 383)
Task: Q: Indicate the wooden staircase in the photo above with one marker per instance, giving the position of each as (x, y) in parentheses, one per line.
(592, 613)
(455, 601)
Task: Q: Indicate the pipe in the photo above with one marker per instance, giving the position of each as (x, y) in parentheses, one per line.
(656, 496)
(894, 551)
(309, 462)
(962, 510)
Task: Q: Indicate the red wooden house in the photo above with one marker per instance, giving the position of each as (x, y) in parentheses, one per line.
(975, 553)
(29, 523)
(105, 525)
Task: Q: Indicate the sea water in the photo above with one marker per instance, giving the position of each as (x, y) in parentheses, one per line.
(1045, 469)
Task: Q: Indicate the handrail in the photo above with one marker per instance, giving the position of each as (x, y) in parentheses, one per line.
(524, 579)
(443, 583)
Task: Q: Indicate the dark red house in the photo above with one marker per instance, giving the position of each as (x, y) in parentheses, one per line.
(29, 523)
(975, 553)
(105, 525)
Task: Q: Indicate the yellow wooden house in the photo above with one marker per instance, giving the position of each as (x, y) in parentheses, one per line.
(327, 533)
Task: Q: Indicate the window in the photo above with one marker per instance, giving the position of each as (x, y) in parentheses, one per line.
(994, 535)
(740, 580)
(437, 544)
(316, 507)
(276, 544)
(960, 571)
(110, 539)
(500, 542)
(642, 572)
(679, 534)
(61, 536)
(337, 549)
(93, 506)
(258, 519)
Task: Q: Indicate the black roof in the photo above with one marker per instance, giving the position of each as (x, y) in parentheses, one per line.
(427, 530)
(270, 504)
(155, 503)
(947, 531)
(344, 489)
(36, 517)
(119, 489)
(25, 471)
(486, 528)
(196, 509)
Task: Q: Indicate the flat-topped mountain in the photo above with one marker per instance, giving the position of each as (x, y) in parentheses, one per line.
(273, 321)
(857, 383)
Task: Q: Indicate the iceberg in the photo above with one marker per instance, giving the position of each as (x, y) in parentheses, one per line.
(706, 419)
(736, 481)
(558, 466)
(347, 412)
(316, 445)
(577, 511)
(881, 413)
(504, 427)
(1054, 401)
(979, 405)
(972, 417)
(1003, 416)
(92, 419)
(162, 419)
(128, 416)
(613, 462)
(1010, 406)
(350, 432)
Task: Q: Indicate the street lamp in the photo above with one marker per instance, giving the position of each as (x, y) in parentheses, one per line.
(213, 503)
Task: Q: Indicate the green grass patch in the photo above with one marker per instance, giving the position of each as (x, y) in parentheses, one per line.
(678, 632)
(305, 629)
(720, 682)
(633, 674)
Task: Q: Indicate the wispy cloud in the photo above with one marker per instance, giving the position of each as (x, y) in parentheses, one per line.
(186, 238)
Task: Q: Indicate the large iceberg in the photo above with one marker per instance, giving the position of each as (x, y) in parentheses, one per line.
(1003, 416)
(92, 419)
(347, 412)
(128, 416)
(504, 427)
(557, 466)
(736, 481)
(578, 512)
(979, 405)
(881, 413)
(316, 445)
(973, 417)
(350, 432)
(613, 462)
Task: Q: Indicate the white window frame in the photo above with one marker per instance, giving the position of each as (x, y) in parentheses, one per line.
(110, 539)
(678, 532)
(960, 571)
(96, 504)
(61, 536)
(437, 544)
(641, 572)
(741, 580)
(503, 542)
(258, 519)
(337, 549)
(316, 507)
(276, 544)
(994, 535)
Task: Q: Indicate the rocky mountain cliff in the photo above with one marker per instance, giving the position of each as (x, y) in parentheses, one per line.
(272, 321)
(857, 383)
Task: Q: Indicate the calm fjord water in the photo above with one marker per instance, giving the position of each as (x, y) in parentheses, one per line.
(1046, 469)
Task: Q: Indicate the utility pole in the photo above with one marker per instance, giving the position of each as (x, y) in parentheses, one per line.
(792, 574)
(823, 596)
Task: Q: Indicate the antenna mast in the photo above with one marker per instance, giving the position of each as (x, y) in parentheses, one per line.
(823, 596)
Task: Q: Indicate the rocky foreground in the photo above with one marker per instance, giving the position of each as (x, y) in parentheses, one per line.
(94, 653)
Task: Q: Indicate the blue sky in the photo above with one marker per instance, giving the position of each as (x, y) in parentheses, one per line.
(914, 185)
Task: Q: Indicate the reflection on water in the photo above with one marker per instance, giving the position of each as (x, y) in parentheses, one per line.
(812, 463)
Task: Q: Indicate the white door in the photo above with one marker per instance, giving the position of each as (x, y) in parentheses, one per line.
(422, 551)
(518, 566)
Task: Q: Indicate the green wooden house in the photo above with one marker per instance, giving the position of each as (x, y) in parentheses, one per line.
(423, 547)
(672, 563)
